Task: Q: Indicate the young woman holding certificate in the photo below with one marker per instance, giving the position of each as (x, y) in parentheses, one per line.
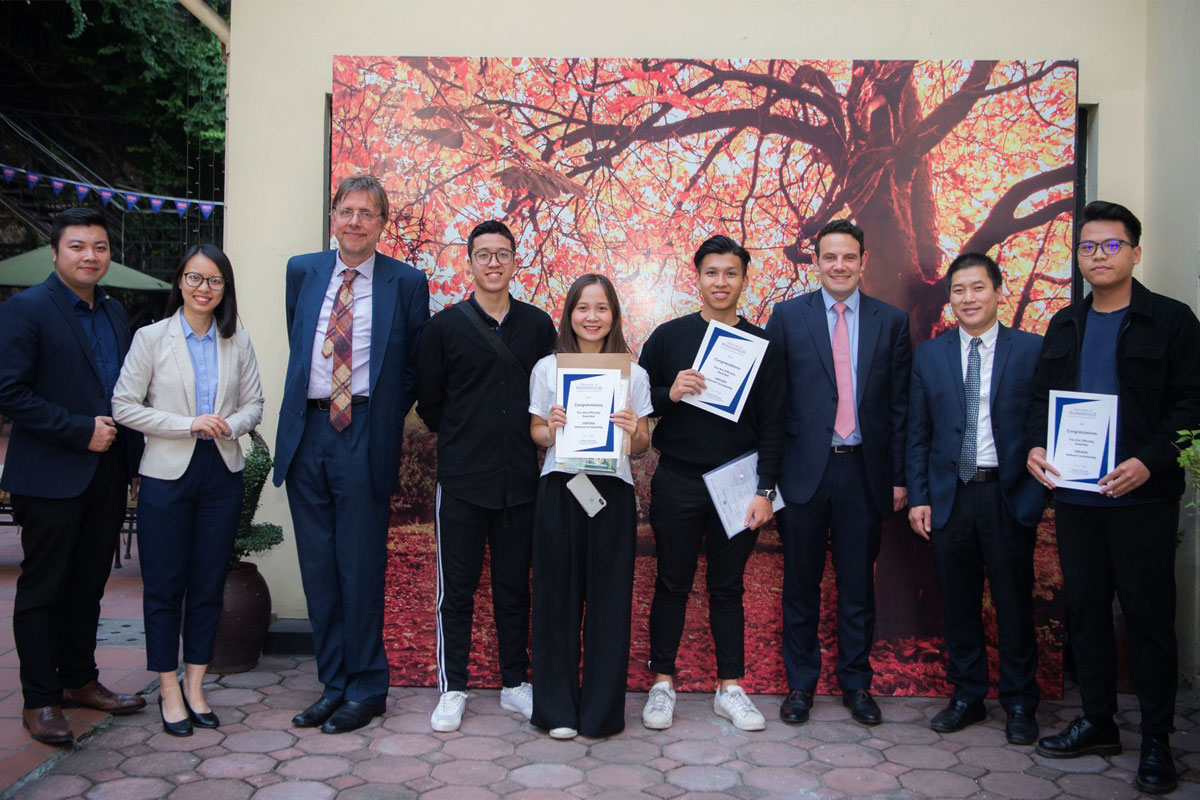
(580, 560)
(190, 383)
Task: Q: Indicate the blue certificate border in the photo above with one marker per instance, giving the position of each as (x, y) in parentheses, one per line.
(733, 404)
(1062, 403)
(608, 446)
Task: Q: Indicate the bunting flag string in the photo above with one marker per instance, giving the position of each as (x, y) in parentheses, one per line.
(181, 205)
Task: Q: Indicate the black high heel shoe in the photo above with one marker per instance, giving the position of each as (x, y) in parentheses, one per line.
(201, 719)
(181, 728)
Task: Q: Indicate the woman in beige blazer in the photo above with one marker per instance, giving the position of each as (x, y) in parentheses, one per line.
(190, 384)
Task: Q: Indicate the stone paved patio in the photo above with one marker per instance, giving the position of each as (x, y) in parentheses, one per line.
(256, 754)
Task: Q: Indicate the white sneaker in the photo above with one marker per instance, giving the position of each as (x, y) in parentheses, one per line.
(518, 699)
(563, 733)
(448, 714)
(734, 705)
(660, 707)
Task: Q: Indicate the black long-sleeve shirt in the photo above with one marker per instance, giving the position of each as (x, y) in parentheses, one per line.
(477, 402)
(693, 441)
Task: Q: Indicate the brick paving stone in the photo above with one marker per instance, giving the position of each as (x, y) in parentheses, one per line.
(982, 735)
(88, 759)
(469, 773)
(701, 729)
(271, 719)
(703, 779)
(249, 680)
(344, 782)
(662, 764)
(391, 769)
(996, 759)
(436, 757)
(624, 750)
(213, 790)
(546, 750)
(1097, 786)
(130, 789)
(233, 698)
(160, 765)
(938, 783)
(906, 734)
(1022, 786)
(622, 794)
(236, 765)
(702, 753)
(260, 781)
(425, 784)
(258, 741)
(118, 738)
(54, 787)
(539, 794)
(325, 743)
(901, 713)
(314, 768)
(835, 731)
(203, 737)
(284, 753)
(739, 766)
(408, 723)
(970, 770)
(623, 776)
(376, 791)
(296, 790)
(585, 763)
(892, 769)
(485, 748)
(847, 755)
(855, 781)
(582, 790)
(666, 791)
(460, 793)
(778, 779)
(1082, 764)
(512, 762)
(304, 683)
(105, 775)
(546, 776)
(911, 755)
(405, 744)
(181, 778)
(488, 724)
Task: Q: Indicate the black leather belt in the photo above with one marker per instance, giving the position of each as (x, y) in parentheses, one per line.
(985, 475)
(322, 403)
(845, 448)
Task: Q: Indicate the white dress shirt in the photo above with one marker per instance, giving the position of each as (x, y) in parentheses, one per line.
(985, 443)
(320, 372)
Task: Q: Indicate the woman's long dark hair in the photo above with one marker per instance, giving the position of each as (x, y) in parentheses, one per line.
(225, 314)
(567, 341)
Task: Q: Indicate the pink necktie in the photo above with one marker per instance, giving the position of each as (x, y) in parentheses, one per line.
(843, 424)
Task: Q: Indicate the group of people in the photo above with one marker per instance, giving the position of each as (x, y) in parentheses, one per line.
(955, 432)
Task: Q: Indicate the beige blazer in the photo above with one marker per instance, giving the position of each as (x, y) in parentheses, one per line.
(156, 395)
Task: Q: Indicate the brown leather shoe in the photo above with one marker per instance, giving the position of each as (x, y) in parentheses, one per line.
(48, 725)
(95, 695)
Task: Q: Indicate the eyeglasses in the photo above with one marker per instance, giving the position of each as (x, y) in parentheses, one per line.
(482, 257)
(1110, 247)
(346, 214)
(194, 279)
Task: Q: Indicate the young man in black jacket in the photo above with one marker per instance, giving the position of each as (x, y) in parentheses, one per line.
(690, 442)
(1127, 341)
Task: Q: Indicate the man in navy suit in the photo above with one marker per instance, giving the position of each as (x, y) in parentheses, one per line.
(354, 323)
(970, 495)
(846, 360)
(68, 467)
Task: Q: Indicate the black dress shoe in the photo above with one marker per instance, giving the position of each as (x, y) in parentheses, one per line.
(1081, 738)
(181, 728)
(1022, 726)
(201, 719)
(796, 706)
(958, 715)
(351, 716)
(863, 707)
(1156, 770)
(317, 713)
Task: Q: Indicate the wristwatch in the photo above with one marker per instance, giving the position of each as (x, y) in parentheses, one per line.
(767, 493)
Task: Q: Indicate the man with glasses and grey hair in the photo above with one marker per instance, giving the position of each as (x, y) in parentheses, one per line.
(354, 320)
(474, 367)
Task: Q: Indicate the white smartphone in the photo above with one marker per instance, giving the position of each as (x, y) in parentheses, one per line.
(585, 492)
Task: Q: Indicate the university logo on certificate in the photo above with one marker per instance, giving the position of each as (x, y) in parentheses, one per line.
(728, 359)
(1081, 438)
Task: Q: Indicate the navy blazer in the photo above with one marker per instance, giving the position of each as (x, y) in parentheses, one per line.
(399, 309)
(51, 388)
(800, 327)
(936, 407)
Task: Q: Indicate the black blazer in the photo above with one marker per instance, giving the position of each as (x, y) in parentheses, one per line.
(50, 387)
(800, 329)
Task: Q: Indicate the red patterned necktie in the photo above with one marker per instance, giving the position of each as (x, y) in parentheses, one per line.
(339, 343)
(843, 423)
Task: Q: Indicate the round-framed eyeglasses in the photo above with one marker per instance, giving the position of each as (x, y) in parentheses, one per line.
(194, 279)
(1110, 247)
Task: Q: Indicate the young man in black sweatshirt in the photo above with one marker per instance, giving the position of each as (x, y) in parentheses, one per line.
(690, 442)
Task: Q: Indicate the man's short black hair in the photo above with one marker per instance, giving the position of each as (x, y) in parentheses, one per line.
(1103, 211)
(840, 226)
(75, 216)
(722, 244)
(968, 260)
(490, 226)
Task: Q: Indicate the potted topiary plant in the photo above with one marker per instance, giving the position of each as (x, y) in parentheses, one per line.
(247, 612)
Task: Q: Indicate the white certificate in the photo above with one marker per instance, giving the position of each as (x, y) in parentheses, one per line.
(590, 398)
(1081, 438)
(732, 486)
(729, 360)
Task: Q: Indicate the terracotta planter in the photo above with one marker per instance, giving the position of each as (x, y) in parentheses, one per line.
(244, 621)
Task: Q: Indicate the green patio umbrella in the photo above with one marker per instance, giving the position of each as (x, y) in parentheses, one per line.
(29, 269)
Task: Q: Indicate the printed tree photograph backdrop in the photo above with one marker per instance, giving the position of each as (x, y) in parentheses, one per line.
(623, 166)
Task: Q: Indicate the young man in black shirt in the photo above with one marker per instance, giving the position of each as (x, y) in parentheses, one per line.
(473, 391)
(690, 442)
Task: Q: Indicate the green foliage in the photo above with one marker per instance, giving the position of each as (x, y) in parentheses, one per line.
(254, 537)
(1188, 444)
